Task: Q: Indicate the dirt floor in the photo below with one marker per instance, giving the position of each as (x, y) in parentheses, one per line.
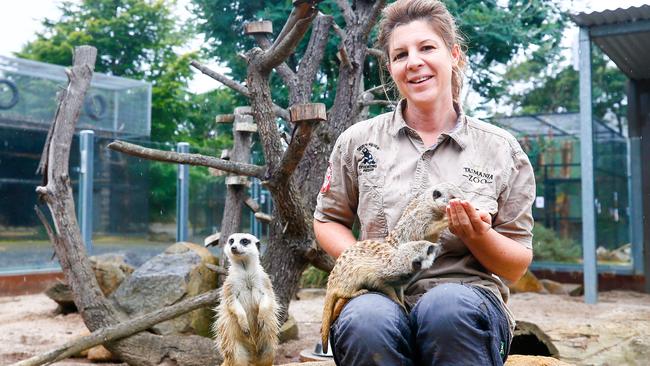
(616, 331)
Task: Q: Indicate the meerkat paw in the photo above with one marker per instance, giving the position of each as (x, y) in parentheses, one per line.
(243, 325)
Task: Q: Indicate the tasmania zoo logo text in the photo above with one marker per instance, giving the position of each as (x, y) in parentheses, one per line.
(476, 176)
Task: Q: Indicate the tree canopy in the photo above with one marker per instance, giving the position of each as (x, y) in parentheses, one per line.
(495, 33)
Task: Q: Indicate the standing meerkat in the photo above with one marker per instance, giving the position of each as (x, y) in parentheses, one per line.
(386, 266)
(247, 325)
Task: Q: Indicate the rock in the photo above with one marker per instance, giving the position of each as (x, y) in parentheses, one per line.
(577, 290)
(62, 295)
(310, 293)
(288, 330)
(554, 287)
(527, 283)
(174, 275)
(620, 254)
(101, 354)
(526, 360)
(529, 339)
(110, 270)
(316, 363)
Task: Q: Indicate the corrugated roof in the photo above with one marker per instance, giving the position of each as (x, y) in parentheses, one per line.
(554, 124)
(620, 15)
(624, 36)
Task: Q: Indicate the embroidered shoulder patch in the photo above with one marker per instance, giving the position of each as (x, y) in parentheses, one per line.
(328, 177)
(368, 162)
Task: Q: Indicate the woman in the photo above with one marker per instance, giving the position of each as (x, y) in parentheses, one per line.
(457, 312)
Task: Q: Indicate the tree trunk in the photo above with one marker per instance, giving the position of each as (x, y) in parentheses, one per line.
(236, 193)
(96, 311)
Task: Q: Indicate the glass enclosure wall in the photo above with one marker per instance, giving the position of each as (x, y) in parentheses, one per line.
(553, 146)
(114, 108)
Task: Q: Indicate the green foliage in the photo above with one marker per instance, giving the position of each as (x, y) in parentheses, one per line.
(556, 89)
(162, 191)
(313, 278)
(495, 33)
(548, 246)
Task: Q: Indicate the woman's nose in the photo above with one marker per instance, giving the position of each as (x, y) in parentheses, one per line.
(414, 61)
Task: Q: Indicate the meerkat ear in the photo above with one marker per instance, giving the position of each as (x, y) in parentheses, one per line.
(257, 244)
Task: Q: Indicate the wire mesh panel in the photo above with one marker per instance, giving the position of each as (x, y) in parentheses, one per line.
(28, 99)
(114, 108)
(552, 144)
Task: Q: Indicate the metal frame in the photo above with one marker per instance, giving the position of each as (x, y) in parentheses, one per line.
(587, 171)
(182, 195)
(87, 151)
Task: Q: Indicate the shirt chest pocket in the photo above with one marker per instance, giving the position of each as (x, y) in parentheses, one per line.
(370, 209)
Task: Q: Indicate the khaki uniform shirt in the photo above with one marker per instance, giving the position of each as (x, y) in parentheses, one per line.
(377, 166)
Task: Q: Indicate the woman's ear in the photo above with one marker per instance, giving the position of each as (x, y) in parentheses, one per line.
(455, 54)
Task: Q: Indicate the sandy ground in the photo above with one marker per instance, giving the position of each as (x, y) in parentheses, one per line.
(616, 331)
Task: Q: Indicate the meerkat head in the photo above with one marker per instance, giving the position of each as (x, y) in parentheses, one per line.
(241, 245)
(425, 216)
(412, 257)
(437, 197)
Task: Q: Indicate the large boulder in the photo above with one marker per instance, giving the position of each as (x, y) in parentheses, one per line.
(180, 272)
(527, 283)
(111, 270)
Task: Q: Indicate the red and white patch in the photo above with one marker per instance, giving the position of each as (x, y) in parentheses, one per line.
(328, 177)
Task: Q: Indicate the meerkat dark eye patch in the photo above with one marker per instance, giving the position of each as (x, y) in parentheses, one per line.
(231, 241)
(417, 265)
(436, 194)
(430, 250)
(244, 242)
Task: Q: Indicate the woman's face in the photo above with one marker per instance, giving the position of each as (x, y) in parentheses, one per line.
(420, 63)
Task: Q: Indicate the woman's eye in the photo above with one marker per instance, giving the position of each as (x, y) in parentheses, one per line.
(399, 56)
(428, 48)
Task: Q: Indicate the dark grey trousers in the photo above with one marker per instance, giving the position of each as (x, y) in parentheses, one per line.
(452, 324)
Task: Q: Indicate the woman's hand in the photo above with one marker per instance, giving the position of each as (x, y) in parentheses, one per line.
(496, 252)
(467, 222)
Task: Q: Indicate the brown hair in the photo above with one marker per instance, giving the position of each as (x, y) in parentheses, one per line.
(436, 14)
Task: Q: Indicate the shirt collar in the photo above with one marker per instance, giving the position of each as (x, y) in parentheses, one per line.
(458, 134)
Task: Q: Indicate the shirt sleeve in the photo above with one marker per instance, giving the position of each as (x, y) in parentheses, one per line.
(338, 197)
(515, 217)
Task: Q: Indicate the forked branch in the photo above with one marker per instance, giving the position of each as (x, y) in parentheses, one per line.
(249, 170)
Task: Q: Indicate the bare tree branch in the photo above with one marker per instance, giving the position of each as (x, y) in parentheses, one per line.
(121, 330)
(379, 89)
(339, 31)
(296, 13)
(283, 69)
(313, 56)
(374, 13)
(221, 78)
(385, 103)
(285, 46)
(379, 54)
(294, 151)
(346, 9)
(190, 159)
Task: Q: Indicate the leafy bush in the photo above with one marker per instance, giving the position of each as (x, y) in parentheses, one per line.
(548, 246)
(313, 278)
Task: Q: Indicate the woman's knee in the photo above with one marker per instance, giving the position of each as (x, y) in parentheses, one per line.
(448, 308)
(368, 314)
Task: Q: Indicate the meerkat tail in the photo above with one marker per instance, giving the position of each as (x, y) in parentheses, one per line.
(328, 309)
(338, 307)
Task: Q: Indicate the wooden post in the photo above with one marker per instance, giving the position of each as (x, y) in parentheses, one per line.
(264, 27)
(236, 186)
